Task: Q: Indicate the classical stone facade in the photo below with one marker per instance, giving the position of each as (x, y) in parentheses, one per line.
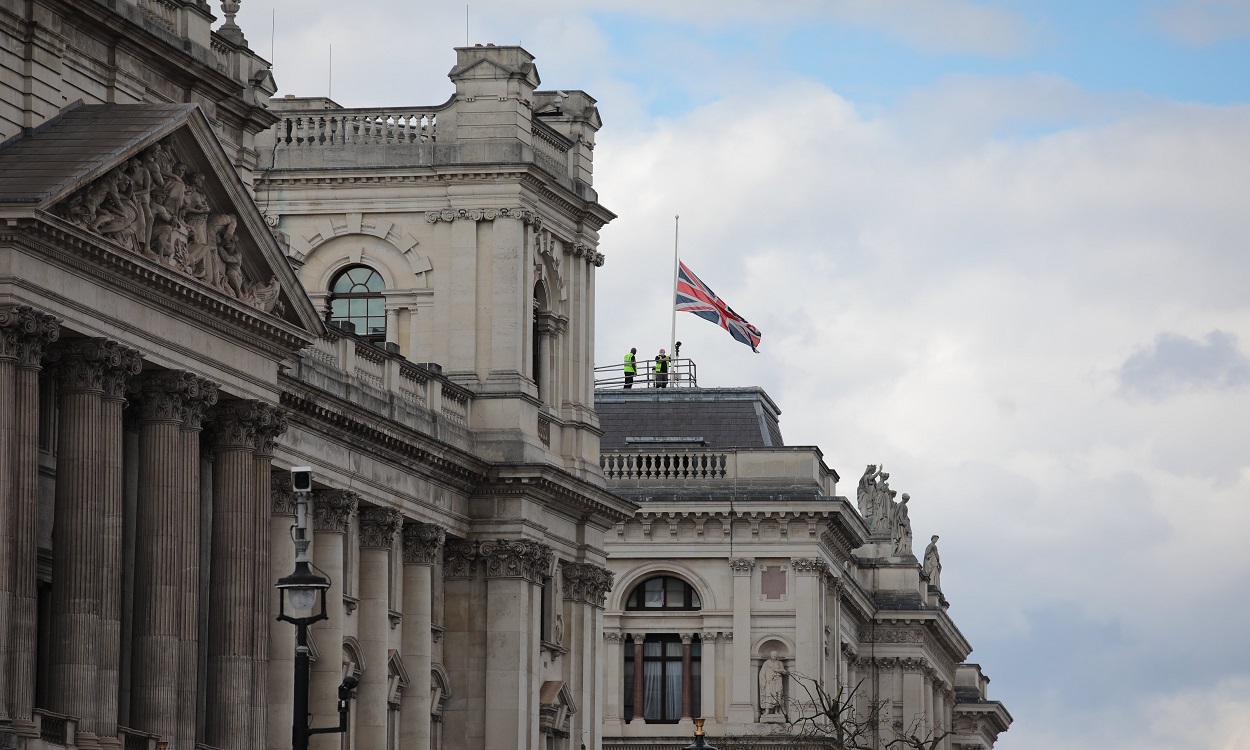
(743, 555)
(417, 327)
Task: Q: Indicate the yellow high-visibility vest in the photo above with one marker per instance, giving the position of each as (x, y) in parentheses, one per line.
(630, 367)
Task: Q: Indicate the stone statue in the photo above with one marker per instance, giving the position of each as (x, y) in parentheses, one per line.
(866, 495)
(902, 528)
(883, 519)
(771, 696)
(933, 563)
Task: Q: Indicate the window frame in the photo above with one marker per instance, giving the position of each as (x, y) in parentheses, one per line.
(369, 331)
(636, 601)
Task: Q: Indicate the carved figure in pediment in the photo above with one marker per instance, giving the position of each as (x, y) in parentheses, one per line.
(173, 193)
(141, 191)
(232, 262)
(195, 209)
(265, 296)
(117, 216)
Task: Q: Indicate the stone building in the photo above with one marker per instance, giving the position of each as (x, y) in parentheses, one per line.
(744, 582)
(406, 306)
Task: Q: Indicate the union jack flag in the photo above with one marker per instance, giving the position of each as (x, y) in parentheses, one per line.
(693, 296)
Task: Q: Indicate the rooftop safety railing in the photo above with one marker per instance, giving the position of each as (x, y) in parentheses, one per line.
(681, 374)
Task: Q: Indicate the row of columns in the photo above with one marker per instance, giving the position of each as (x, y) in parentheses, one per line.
(85, 671)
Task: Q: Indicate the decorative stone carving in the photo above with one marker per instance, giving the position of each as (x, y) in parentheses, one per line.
(155, 206)
(615, 639)
(771, 689)
(933, 563)
(236, 424)
(516, 558)
(902, 529)
(159, 395)
(458, 558)
(378, 527)
(809, 566)
(483, 214)
(24, 333)
(282, 494)
(271, 423)
(80, 364)
(332, 509)
(890, 635)
(201, 396)
(584, 582)
(741, 566)
(422, 542)
(119, 370)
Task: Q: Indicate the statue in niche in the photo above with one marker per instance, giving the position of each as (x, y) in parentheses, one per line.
(933, 563)
(770, 679)
(902, 528)
(154, 205)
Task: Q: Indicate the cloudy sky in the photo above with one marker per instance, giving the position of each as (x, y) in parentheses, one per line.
(1000, 247)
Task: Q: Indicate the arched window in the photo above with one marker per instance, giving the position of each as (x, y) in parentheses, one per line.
(663, 592)
(356, 297)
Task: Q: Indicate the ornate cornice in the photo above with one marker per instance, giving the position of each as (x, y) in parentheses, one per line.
(809, 566)
(378, 527)
(422, 543)
(24, 333)
(742, 566)
(332, 509)
(890, 635)
(459, 556)
(584, 582)
(281, 494)
(516, 558)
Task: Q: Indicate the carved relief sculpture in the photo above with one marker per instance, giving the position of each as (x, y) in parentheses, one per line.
(150, 207)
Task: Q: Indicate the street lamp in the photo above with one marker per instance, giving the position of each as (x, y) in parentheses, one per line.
(298, 595)
(700, 741)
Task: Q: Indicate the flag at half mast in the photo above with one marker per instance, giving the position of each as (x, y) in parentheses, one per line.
(693, 296)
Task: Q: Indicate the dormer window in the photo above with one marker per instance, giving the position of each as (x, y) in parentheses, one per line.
(356, 297)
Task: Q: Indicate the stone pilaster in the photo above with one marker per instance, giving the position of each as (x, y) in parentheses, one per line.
(281, 666)
(422, 544)
(332, 511)
(741, 707)
(23, 335)
(707, 676)
(117, 378)
(201, 395)
(377, 533)
(158, 599)
(77, 539)
(232, 598)
(613, 699)
(513, 566)
(585, 588)
(271, 424)
(808, 621)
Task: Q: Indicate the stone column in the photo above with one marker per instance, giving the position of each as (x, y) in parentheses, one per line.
(707, 677)
(422, 544)
(271, 423)
(586, 587)
(332, 511)
(742, 708)
(158, 596)
(686, 686)
(201, 396)
(377, 532)
(463, 640)
(809, 605)
(513, 567)
(112, 469)
(639, 716)
(23, 335)
(281, 635)
(78, 528)
(232, 600)
(913, 696)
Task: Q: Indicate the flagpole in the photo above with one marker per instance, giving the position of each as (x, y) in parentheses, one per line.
(672, 343)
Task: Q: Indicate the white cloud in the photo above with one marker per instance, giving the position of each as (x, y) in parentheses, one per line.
(1202, 22)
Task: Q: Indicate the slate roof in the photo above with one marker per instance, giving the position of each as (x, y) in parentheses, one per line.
(721, 417)
(67, 149)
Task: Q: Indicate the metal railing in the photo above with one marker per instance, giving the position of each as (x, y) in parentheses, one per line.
(681, 374)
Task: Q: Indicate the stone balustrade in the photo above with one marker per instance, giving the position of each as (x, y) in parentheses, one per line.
(799, 465)
(346, 127)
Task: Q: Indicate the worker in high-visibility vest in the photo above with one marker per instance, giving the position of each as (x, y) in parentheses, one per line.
(661, 370)
(631, 367)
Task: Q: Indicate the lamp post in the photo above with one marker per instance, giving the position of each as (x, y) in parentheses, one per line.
(700, 741)
(298, 595)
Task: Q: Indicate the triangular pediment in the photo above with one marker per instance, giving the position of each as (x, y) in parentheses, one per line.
(153, 183)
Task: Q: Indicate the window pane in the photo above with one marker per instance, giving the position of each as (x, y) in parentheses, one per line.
(676, 592)
(651, 648)
(359, 275)
(342, 284)
(654, 593)
(338, 309)
(377, 327)
(633, 599)
(672, 648)
(374, 282)
(694, 599)
(356, 307)
(377, 306)
(672, 690)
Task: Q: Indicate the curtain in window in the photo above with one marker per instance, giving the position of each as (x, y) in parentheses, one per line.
(672, 691)
(652, 688)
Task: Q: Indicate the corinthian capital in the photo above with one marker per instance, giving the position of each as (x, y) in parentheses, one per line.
(378, 527)
(809, 566)
(200, 397)
(422, 542)
(282, 494)
(516, 558)
(79, 364)
(741, 566)
(332, 509)
(24, 333)
(120, 369)
(236, 424)
(458, 558)
(584, 582)
(271, 423)
(160, 396)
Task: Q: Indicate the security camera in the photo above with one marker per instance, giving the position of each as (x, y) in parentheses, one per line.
(301, 478)
(346, 687)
